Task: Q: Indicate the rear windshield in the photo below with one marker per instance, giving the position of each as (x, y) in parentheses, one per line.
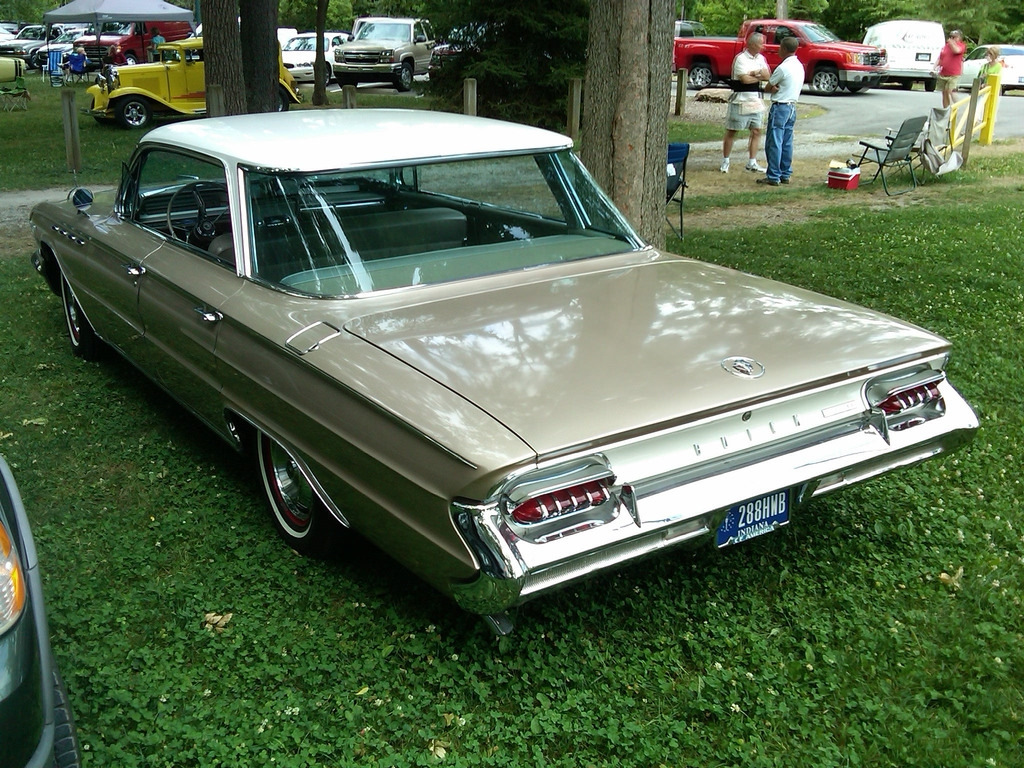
(359, 231)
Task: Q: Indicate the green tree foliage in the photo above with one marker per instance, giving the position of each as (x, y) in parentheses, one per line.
(522, 55)
(723, 17)
(983, 21)
(850, 18)
(411, 8)
(29, 11)
(301, 14)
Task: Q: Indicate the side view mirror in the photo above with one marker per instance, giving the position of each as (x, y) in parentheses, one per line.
(421, 38)
(81, 198)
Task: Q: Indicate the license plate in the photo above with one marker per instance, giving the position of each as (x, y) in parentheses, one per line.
(924, 57)
(754, 517)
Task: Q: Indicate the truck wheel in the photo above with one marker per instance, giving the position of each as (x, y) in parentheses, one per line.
(929, 85)
(701, 75)
(133, 112)
(130, 60)
(825, 80)
(403, 81)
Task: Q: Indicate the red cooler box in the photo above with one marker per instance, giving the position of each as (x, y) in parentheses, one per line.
(844, 178)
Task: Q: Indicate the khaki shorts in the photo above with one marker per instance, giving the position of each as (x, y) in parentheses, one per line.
(736, 121)
(947, 83)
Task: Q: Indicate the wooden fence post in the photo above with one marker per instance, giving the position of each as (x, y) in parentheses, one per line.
(575, 108)
(72, 146)
(348, 97)
(682, 77)
(469, 96)
(972, 110)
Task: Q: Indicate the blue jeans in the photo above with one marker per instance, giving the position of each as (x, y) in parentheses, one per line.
(778, 143)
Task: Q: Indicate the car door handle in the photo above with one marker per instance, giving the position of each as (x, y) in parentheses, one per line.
(134, 270)
(209, 315)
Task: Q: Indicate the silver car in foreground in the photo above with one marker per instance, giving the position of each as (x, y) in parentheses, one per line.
(438, 331)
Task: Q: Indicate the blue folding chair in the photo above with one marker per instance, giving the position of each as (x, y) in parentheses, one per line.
(54, 66)
(675, 180)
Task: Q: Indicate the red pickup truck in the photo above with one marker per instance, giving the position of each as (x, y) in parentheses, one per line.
(831, 64)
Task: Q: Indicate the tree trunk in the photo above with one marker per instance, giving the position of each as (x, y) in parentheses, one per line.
(625, 107)
(320, 66)
(222, 52)
(258, 31)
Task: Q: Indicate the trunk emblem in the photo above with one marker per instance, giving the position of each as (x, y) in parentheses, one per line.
(744, 367)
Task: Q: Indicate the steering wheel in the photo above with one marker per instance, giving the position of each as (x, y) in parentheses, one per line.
(205, 225)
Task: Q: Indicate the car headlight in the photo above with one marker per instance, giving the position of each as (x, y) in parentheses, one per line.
(12, 582)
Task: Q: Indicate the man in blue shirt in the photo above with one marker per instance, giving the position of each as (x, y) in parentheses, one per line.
(784, 85)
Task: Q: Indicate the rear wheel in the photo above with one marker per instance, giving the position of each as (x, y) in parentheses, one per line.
(701, 75)
(825, 80)
(929, 86)
(296, 510)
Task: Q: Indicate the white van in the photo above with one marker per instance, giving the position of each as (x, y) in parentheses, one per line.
(912, 48)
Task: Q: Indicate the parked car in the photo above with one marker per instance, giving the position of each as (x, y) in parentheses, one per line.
(830, 64)
(37, 729)
(134, 38)
(687, 28)
(25, 44)
(436, 330)
(174, 86)
(299, 54)
(64, 43)
(1012, 75)
(385, 50)
(912, 50)
(465, 39)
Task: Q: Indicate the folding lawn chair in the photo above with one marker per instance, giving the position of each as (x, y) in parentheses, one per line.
(14, 95)
(55, 67)
(675, 180)
(895, 152)
(76, 69)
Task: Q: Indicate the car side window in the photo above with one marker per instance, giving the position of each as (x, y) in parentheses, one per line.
(781, 33)
(184, 197)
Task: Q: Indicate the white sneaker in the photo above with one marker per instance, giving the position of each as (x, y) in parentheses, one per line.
(725, 165)
(753, 166)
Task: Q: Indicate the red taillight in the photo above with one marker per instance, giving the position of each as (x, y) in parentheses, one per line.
(561, 502)
(910, 398)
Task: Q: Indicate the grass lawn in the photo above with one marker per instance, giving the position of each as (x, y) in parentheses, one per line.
(882, 628)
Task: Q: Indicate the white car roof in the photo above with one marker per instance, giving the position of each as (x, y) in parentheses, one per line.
(328, 33)
(329, 139)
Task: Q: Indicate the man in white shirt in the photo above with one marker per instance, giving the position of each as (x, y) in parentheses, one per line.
(784, 85)
(746, 108)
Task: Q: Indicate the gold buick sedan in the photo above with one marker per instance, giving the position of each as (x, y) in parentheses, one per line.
(436, 330)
